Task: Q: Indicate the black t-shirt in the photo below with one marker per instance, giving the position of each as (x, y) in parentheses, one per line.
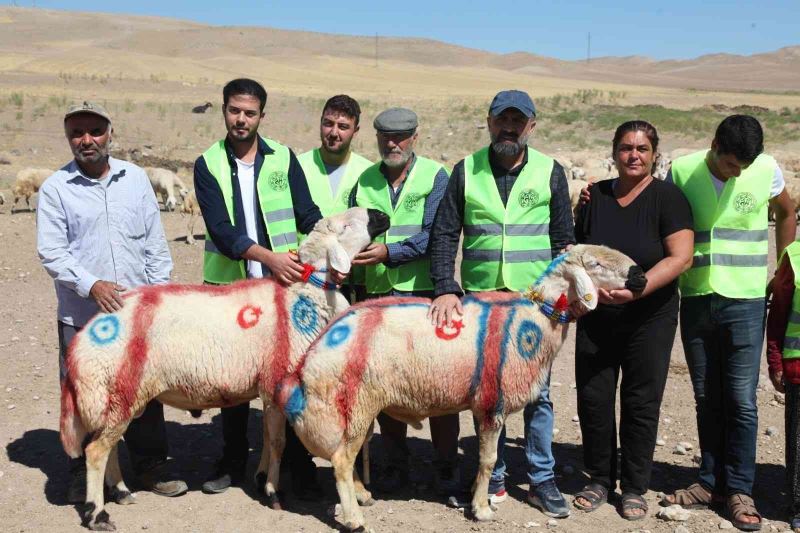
(638, 229)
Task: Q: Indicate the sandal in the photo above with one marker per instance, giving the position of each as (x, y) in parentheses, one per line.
(740, 506)
(695, 496)
(632, 502)
(594, 493)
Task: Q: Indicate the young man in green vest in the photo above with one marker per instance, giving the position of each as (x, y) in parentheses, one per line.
(723, 305)
(408, 188)
(512, 203)
(332, 169)
(254, 199)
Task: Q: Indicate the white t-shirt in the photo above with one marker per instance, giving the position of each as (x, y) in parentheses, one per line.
(778, 183)
(335, 175)
(247, 186)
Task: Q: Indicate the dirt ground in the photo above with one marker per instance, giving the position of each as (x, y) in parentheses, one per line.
(33, 469)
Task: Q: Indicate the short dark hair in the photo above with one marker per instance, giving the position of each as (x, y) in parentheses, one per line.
(635, 125)
(344, 105)
(741, 136)
(245, 86)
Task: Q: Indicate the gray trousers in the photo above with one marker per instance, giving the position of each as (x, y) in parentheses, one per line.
(146, 436)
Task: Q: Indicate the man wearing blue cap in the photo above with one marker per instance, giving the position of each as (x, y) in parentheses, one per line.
(512, 203)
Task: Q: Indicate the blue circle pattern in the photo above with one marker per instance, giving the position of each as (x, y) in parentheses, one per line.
(337, 335)
(104, 330)
(529, 338)
(304, 316)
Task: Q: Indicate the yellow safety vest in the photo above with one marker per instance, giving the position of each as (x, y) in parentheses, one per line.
(791, 342)
(730, 231)
(406, 220)
(505, 246)
(275, 201)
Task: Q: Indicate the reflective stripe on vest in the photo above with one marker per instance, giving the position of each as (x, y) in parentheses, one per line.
(505, 246)
(275, 202)
(791, 341)
(406, 220)
(731, 231)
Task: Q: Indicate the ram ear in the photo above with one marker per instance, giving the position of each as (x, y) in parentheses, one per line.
(583, 286)
(337, 257)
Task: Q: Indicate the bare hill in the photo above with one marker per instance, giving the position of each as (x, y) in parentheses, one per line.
(38, 41)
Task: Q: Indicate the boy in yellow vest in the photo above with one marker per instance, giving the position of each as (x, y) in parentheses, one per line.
(512, 203)
(332, 169)
(408, 188)
(783, 356)
(254, 199)
(723, 305)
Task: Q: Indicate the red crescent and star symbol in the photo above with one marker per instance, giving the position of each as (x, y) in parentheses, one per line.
(451, 331)
(248, 316)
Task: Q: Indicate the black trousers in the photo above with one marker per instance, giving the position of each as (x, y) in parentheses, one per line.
(146, 436)
(792, 419)
(637, 345)
(236, 445)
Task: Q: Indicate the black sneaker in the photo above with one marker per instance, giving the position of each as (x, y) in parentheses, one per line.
(548, 499)
(227, 474)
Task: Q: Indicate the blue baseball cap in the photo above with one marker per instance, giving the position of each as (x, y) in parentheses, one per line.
(512, 99)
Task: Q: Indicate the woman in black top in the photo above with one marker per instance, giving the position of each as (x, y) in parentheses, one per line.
(631, 334)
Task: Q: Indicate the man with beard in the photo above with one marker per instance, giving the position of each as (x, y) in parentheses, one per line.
(332, 169)
(513, 205)
(254, 198)
(98, 234)
(408, 188)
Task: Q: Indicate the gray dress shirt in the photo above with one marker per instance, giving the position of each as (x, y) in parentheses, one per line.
(90, 230)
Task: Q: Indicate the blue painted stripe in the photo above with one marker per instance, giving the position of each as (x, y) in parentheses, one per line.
(480, 341)
(552, 266)
(498, 408)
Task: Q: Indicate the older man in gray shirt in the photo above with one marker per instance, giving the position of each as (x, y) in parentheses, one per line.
(99, 234)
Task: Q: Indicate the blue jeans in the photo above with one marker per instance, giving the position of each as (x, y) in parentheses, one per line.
(722, 340)
(538, 420)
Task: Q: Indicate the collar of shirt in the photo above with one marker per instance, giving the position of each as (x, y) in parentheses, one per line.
(498, 170)
(263, 149)
(395, 194)
(75, 174)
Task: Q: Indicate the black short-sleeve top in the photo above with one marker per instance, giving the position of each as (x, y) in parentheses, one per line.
(638, 229)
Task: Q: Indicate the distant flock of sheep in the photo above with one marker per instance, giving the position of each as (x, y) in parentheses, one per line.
(580, 171)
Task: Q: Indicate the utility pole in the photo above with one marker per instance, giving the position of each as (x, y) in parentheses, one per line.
(376, 50)
(588, 47)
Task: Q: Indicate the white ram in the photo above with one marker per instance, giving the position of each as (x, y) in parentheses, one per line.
(384, 355)
(198, 347)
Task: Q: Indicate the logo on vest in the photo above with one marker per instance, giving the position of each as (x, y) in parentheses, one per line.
(412, 201)
(744, 203)
(345, 196)
(528, 198)
(278, 181)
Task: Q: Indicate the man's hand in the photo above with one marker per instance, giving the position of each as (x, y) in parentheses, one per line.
(374, 253)
(285, 267)
(585, 195)
(444, 308)
(106, 294)
(338, 277)
(777, 380)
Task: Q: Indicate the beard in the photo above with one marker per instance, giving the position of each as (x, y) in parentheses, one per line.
(501, 146)
(343, 147)
(100, 153)
(394, 162)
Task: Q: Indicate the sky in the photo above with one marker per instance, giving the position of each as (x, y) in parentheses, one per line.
(676, 29)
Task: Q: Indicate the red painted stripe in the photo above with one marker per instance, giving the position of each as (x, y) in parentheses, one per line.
(211, 290)
(278, 345)
(129, 375)
(347, 394)
(491, 361)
